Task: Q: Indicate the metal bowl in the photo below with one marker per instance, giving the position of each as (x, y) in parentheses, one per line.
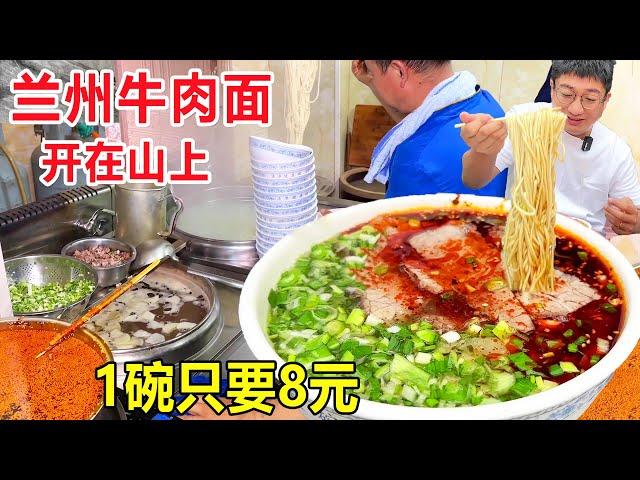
(43, 269)
(23, 323)
(107, 276)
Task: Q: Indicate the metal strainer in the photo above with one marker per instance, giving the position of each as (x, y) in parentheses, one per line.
(43, 269)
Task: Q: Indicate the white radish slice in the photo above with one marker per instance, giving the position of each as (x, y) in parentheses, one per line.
(167, 328)
(154, 324)
(155, 338)
(186, 325)
(142, 334)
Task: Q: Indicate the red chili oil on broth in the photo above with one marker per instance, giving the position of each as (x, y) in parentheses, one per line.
(582, 338)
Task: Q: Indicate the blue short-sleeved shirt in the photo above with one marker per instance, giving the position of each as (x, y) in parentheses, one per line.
(430, 161)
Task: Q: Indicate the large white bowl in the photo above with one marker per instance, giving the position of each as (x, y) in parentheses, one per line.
(566, 401)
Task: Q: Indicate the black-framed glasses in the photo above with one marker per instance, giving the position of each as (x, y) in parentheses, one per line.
(566, 96)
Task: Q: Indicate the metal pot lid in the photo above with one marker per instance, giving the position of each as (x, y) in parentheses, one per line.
(231, 220)
(140, 186)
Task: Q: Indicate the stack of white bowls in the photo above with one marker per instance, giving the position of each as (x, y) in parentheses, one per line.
(284, 189)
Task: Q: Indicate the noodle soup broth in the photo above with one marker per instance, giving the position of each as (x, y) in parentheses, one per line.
(419, 302)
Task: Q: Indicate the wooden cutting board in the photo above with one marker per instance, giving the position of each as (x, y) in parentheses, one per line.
(370, 124)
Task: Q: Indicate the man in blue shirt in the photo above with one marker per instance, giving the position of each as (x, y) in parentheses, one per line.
(423, 153)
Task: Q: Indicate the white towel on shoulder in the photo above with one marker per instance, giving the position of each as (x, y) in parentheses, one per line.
(460, 86)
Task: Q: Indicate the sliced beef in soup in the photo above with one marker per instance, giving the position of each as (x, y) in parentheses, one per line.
(421, 278)
(571, 294)
(399, 300)
(495, 305)
(501, 305)
(430, 242)
(382, 302)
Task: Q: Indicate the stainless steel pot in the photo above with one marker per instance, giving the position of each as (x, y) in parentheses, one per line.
(195, 345)
(216, 251)
(226, 252)
(141, 212)
(107, 276)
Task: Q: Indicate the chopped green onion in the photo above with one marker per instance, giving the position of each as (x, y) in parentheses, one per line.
(611, 288)
(432, 402)
(406, 371)
(572, 347)
(503, 331)
(607, 307)
(381, 269)
(355, 262)
(517, 342)
(522, 387)
(568, 333)
(27, 297)
(578, 323)
(407, 347)
(347, 357)
(474, 329)
(551, 344)
(422, 358)
(324, 313)
(556, 370)
(487, 331)
(356, 317)
(522, 361)
(372, 320)
(595, 359)
(446, 296)
(569, 367)
(363, 351)
(321, 251)
(495, 284)
(580, 340)
(501, 382)
(334, 327)
(583, 255)
(290, 278)
(428, 336)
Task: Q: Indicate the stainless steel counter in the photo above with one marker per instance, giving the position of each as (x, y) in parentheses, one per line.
(46, 226)
(232, 343)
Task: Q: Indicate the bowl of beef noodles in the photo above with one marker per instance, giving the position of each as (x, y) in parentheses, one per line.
(412, 293)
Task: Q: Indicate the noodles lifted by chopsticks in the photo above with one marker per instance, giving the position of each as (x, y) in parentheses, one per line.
(529, 239)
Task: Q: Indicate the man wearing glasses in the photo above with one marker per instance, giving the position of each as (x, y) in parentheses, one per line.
(598, 179)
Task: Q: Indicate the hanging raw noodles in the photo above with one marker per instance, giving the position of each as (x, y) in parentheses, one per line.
(300, 76)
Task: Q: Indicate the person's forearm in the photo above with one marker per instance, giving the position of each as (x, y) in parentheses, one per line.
(477, 169)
